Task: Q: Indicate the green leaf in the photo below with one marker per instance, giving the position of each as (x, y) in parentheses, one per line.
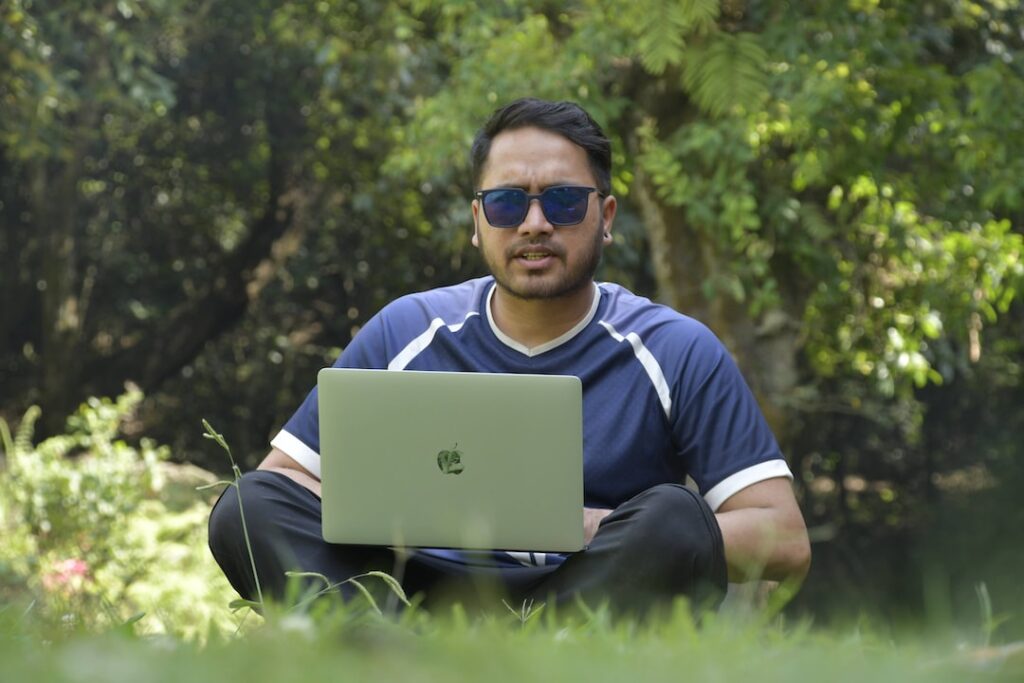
(392, 583)
(315, 575)
(664, 27)
(213, 434)
(135, 618)
(241, 603)
(366, 594)
(5, 439)
(661, 44)
(23, 437)
(725, 73)
(222, 482)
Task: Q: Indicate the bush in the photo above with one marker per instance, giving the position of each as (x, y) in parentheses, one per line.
(98, 532)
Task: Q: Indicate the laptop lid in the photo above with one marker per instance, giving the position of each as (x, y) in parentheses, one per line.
(451, 460)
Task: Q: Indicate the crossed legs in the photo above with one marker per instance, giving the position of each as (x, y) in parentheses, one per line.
(662, 543)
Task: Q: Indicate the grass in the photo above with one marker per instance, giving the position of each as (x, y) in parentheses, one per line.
(346, 643)
(332, 641)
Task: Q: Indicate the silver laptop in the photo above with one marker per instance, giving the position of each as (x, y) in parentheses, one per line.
(451, 460)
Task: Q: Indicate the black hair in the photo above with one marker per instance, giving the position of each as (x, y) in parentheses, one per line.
(567, 119)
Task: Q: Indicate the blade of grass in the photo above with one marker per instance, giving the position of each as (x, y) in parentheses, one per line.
(392, 583)
(366, 594)
(211, 433)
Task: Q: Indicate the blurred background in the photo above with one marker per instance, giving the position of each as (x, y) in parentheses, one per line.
(205, 200)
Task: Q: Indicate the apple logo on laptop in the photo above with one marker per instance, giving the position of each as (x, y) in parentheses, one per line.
(450, 462)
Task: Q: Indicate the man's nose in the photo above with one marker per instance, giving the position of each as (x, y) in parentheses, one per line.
(535, 221)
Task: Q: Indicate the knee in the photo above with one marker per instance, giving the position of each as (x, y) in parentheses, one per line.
(676, 524)
(251, 493)
(667, 507)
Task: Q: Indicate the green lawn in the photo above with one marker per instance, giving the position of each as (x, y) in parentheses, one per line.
(418, 647)
(105, 576)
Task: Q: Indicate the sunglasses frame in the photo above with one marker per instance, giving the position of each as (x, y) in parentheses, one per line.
(482, 196)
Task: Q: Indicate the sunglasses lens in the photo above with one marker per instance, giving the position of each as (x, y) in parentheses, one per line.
(562, 205)
(565, 205)
(505, 208)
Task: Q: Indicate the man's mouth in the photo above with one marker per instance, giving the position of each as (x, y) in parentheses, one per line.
(533, 253)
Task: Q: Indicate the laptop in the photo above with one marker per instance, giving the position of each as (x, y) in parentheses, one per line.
(451, 460)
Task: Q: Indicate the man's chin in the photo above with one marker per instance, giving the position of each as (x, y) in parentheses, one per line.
(536, 289)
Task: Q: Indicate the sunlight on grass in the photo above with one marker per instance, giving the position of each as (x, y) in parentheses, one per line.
(145, 601)
(359, 645)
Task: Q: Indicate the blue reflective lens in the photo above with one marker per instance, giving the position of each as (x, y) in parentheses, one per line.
(562, 205)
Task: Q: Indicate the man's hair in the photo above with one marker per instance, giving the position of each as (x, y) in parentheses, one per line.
(567, 119)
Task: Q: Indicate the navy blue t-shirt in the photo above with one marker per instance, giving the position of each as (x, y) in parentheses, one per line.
(663, 400)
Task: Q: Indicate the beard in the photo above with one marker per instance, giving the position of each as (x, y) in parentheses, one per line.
(545, 286)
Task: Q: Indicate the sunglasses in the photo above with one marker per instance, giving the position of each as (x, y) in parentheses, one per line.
(506, 207)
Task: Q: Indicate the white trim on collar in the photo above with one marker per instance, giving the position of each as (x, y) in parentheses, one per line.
(531, 351)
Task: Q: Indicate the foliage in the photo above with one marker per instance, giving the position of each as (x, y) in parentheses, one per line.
(825, 170)
(910, 263)
(66, 101)
(211, 198)
(96, 534)
(87, 615)
(846, 220)
(456, 646)
(180, 220)
(107, 483)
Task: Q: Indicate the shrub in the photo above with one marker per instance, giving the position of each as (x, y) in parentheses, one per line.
(98, 532)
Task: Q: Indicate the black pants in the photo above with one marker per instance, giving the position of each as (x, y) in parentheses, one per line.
(662, 543)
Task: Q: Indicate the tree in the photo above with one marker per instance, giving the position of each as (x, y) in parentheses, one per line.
(806, 178)
(185, 176)
(76, 80)
(263, 177)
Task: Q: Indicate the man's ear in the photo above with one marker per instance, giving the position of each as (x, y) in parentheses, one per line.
(608, 207)
(475, 239)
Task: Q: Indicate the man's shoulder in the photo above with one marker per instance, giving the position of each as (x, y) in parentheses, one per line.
(450, 303)
(631, 313)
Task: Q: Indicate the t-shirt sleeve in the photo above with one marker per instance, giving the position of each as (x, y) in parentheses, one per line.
(723, 437)
(300, 436)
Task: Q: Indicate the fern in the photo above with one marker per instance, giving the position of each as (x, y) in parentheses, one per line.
(23, 437)
(661, 43)
(725, 72)
(662, 29)
(699, 15)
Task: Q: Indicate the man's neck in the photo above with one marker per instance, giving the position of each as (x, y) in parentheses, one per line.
(533, 322)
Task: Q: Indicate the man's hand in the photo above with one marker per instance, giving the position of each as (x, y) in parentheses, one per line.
(591, 519)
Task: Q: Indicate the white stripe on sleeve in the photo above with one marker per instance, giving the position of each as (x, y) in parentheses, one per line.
(649, 363)
(770, 469)
(297, 451)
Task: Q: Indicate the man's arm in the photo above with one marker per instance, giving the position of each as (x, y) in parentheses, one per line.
(278, 461)
(764, 533)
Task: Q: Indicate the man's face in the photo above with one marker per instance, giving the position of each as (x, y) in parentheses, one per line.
(537, 260)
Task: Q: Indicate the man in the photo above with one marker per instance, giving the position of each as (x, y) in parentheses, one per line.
(663, 403)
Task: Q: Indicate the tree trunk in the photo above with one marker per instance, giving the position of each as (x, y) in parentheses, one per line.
(54, 210)
(766, 348)
(55, 214)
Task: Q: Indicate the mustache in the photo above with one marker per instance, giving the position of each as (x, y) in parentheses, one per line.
(516, 249)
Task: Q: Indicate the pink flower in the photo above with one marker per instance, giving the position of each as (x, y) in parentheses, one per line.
(67, 574)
